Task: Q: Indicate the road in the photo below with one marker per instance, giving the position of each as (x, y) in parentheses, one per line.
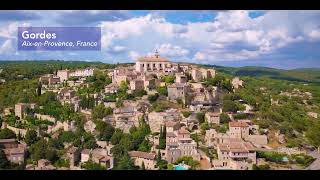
(316, 164)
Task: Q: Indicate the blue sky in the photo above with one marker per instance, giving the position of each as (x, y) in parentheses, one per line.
(280, 39)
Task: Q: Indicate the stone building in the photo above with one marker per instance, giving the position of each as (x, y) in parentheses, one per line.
(236, 152)
(14, 151)
(148, 159)
(136, 84)
(21, 108)
(237, 83)
(49, 79)
(73, 154)
(154, 63)
(213, 117)
(63, 74)
(178, 144)
(125, 74)
(196, 75)
(178, 91)
(158, 119)
(181, 78)
(111, 88)
(238, 129)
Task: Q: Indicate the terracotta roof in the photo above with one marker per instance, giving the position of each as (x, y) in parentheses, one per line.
(213, 114)
(14, 151)
(152, 59)
(238, 124)
(170, 134)
(171, 123)
(183, 131)
(141, 154)
(7, 140)
(236, 147)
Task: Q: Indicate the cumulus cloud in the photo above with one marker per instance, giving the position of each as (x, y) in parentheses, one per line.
(117, 49)
(172, 51)
(133, 55)
(230, 35)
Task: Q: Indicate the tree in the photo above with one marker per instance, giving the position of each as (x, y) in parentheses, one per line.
(169, 79)
(39, 89)
(163, 91)
(229, 106)
(153, 98)
(162, 138)
(200, 116)
(41, 150)
(116, 137)
(313, 134)
(125, 163)
(106, 130)
(186, 114)
(224, 118)
(159, 156)
(196, 138)
(31, 137)
(142, 166)
(90, 165)
(4, 163)
(100, 111)
(194, 164)
(7, 134)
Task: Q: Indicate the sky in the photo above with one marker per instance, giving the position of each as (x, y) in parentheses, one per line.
(279, 39)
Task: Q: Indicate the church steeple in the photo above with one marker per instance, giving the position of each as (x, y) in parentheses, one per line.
(156, 53)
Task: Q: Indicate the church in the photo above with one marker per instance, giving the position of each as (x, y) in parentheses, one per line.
(154, 63)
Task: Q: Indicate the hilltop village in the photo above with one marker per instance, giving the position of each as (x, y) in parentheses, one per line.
(155, 114)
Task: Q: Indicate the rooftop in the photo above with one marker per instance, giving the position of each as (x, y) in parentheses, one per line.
(154, 58)
(171, 123)
(244, 147)
(141, 154)
(238, 124)
(7, 140)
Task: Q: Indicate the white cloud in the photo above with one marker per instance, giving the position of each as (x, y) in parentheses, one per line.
(6, 47)
(134, 55)
(172, 51)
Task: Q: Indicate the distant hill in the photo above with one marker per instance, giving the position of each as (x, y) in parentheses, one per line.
(310, 75)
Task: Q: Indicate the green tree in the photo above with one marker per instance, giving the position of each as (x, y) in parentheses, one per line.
(4, 163)
(162, 138)
(116, 137)
(229, 106)
(7, 134)
(31, 137)
(201, 117)
(106, 130)
(313, 134)
(125, 163)
(100, 111)
(186, 114)
(169, 79)
(153, 98)
(224, 118)
(39, 89)
(90, 165)
(163, 91)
